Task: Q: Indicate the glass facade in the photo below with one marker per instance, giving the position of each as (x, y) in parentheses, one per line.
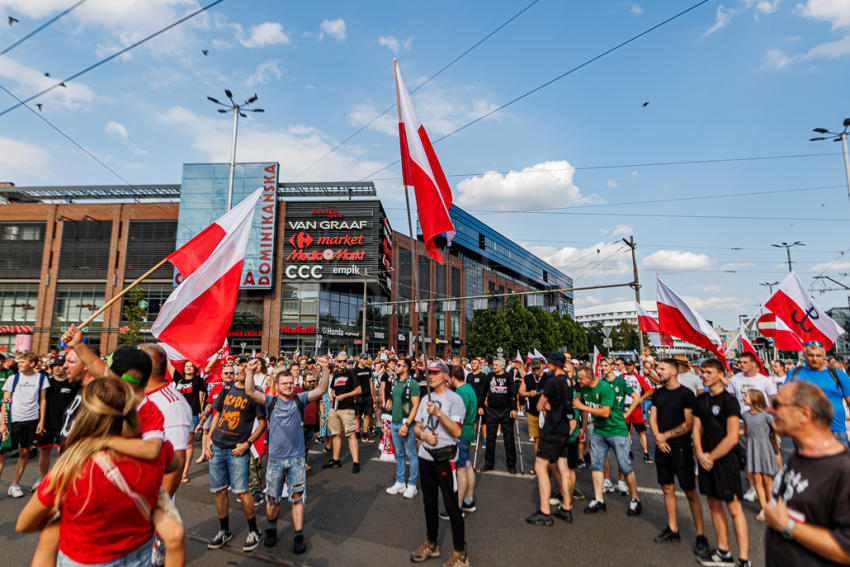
(21, 248)
(74, 303)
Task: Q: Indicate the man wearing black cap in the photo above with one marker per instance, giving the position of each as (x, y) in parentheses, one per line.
(500, 397)
(59, 396)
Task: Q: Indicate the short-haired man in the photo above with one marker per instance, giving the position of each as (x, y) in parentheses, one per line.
(465, 474)
(286, 447)
(835, 385)
(26, 392)
(500, 399)
(61, 393)
(642, 392)
(750, 379)
(717, 417)
(344, 388)
(808, 517)
(779, 372)
(671, 420)
(477, 378)
(530, 389)
(364, 404)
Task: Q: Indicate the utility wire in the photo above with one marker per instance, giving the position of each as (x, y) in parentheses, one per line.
(555, 79)
(425, 82)
(39, 28)
(113, 56)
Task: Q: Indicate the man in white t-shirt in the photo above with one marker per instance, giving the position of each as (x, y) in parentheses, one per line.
(26, 392)
(688, 378)
(750, 379)
(779, 373)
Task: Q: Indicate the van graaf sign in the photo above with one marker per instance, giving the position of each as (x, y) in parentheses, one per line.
(203, 198)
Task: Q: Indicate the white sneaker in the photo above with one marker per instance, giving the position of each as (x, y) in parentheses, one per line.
(35, 485)
(750, 495)
(15, 491)
(396, 488)
(622, 489)
(410, 491)
(607, 486)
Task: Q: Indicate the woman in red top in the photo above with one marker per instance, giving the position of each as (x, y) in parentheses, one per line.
(100, 521)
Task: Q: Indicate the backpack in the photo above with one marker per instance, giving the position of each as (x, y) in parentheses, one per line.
(41, 378)
(832, 373)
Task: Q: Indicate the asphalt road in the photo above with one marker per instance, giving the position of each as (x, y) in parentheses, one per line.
(351, 521)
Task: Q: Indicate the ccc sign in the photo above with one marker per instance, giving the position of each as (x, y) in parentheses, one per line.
(303, 272)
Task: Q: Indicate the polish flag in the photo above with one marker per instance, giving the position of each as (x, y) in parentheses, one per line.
(195, 318)
(795, 307)
(748, 347)
(677, 319)
(528, 358)
(597, 358)
(520, 366)
(783, 337)
(420, 168)
(538, 354)
(650, 326)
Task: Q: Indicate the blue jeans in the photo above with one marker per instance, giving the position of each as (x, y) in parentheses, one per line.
(599, 446)
(404, 448)
(140, 557)
(228, 470)
(294, 472)
(842, 437)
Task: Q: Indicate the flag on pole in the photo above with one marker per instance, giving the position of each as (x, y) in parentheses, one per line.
(678, 319)
(528, 358)
(538, 354)
(597, 358)
(747, 346)
(783, 337)
(795, 307)
(650, 326)
(196, 316)
(520, 366)
(420, 168)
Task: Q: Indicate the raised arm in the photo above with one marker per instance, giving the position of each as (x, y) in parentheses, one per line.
(324, 381)
(73, 337)
(251, 390)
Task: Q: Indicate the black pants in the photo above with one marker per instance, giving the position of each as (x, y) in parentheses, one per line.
(440, 476)
(494, 418)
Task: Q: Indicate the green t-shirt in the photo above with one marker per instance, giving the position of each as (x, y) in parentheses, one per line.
(621, 390)
(399, 400)
(470, 402)
(602, 395)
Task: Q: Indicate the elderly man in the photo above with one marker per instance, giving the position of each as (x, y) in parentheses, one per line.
(808, 518)
(835, 385)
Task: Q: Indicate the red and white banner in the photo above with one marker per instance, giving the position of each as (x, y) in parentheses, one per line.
(747, 346)
(420, 168)
(783, 337)
(795, 307)
(597, 358)
(520, 365)
(650, 326)
(678, 319)
(195, 318)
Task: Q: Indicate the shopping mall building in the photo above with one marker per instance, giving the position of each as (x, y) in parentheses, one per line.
(316, 251)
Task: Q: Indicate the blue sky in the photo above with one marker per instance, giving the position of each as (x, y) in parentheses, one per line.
(738, 79)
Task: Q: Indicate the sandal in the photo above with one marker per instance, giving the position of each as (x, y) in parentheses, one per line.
(185, 479)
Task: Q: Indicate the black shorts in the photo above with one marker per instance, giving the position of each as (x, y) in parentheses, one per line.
(639, 427)
(723, 481)
(553, 447)
(23, 434)
(677, 464)
(48, 438)
(364, 406)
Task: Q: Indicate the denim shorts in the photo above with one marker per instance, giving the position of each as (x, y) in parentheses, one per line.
(228, 470)
(294, 471)
(139, 557)
(462, 454)
(599, 447)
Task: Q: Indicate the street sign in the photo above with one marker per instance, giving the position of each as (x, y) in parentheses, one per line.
(608, 342)
(766, 325)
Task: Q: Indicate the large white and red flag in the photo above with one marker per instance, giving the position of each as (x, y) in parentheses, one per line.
(597, 358)
(747, 346)
(420, 168)
(519, 364)
(194, 320)
(783, 337)
(678, 319)
(650, 326)
(796, 308)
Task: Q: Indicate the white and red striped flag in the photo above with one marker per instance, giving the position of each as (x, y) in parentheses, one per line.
(420, 168)
(195, 318)
(528, 358)
(678, 319)
(538, 354)
(597, 358)
(747, 346)
(520, 366)
(650, 326)
(796, 308)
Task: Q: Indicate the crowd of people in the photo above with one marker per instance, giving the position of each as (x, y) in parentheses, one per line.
(125, 427)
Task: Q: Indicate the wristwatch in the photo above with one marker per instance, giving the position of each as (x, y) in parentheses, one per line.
(789, 528)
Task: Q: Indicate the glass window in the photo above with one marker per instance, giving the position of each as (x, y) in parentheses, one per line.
(75, 302)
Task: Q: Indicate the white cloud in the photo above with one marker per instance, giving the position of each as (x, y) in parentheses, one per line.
(364, 114)
(622, 230)
(601, 259)
(714, 302)
(634, 173)
(20, 159)
(262, 35)
(710, 288)
(333, 28)
(611, 183)
(636, 9)
(117, 128)
(73, 95)
(837, 12)
(586, 301)
(394, 44)
(265, 72)
(732, 266)
(777, 59)
(765, 7)
(830, 266)
(722, 18)
(544, 184)
(676, 260)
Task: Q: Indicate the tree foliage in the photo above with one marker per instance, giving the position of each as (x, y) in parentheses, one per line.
(134, 314)
(625, 337)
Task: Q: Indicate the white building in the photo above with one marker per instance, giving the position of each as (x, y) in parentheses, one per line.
(612, 314)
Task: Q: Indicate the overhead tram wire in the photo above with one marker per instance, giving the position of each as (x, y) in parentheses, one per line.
(41, 27)
(554, 79)
(69, 138)
(113, 56)
(425, 82)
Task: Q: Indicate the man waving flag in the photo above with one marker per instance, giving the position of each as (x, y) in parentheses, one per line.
(420, 168)
(796, 308)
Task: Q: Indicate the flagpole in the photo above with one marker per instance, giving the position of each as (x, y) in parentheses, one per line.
(121, 293)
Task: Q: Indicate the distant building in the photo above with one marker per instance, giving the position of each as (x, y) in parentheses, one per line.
(841, 315)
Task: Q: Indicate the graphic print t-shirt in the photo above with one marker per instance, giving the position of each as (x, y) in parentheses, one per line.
(343, 381)
(237, 413)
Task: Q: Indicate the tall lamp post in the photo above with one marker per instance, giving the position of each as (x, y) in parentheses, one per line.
(238, 110)
(788, 248)
(835, 137)
(769, 285)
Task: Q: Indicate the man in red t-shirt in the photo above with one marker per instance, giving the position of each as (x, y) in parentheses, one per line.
(635, 420)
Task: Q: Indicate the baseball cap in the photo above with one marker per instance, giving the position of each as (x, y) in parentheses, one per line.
(557, 358)
(127, 358)
(364, 356)
(58, 361)
(438, 367)
(630, 361)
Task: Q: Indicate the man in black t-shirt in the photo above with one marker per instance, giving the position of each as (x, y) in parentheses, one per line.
(808, 517)
(59, 396)
(501, 411)
(530, 389)
(365, 402)
(344, 388)
(478, 379)
(671, 420)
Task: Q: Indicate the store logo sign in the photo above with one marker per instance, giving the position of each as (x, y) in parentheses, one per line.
(303, 272)
(329, 255)
(300, 240)
(298, 330)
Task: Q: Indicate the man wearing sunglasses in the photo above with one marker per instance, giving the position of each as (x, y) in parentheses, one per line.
(341, 419)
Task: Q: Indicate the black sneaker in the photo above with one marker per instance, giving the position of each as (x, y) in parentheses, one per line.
(270, 539)
(635, 508)
(252, 541)
(565, 515)
(332, 464)
(647, 459)
(540, 519)
(701, 548)
(667, 535)
(219, 539)
(718, 558)
(744, 563)
(512, 470)
(595, 506)
(468, 507)
(298, 545)
(581, 464)
(445, 515)
(355, 468)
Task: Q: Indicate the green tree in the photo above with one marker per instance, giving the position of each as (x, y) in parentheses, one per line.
(573, 336)
(595, 337)
(521, 326)
(546, 332)
(135, 309)
(487, 331)
(625, 337)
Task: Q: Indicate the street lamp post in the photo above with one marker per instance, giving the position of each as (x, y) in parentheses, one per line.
(788, 248)
(769, 285)
(238, 110)
(837, 136)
